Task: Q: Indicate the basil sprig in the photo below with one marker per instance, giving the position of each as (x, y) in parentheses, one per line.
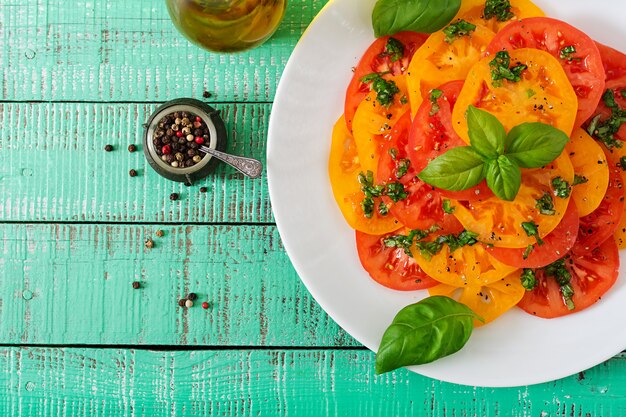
(427, 16)
(495, 155)
(424, 332)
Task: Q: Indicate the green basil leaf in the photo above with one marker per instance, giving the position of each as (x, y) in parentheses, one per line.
(456, 170)
(504, 178)
(424, 332)
(486, 133)
(533, 145)
(427, 16)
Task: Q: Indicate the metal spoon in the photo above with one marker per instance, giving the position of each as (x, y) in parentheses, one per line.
(247, 166)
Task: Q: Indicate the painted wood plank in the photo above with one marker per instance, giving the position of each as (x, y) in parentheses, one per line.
(71, 284)
(111, 50)
(50, 382)
(55, 169)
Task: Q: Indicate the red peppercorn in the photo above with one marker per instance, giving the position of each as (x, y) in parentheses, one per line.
(167, 149)
(205, 305)
(198, 119)
(199, 140)
(179, 134)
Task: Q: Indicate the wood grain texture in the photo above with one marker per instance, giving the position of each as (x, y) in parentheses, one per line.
(71, 284)
(55, 169)
(70, 382)
(111, 50)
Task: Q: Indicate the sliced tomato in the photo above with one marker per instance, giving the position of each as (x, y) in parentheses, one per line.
(473, 11)
(499, 222)
(437, 62)
(575, 51)
(467, 266)
(614, 157)
(423, 206)
(603, 222)
(373, 123)
(556, 244)
(432, 135)
(593, 273)
(343, 170)
(544, 94)
(488, 301)
(615, 68)
(376, 60)
(390, 267)
(591, 166)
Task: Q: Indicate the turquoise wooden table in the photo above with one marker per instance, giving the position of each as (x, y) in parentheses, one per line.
(76, 338)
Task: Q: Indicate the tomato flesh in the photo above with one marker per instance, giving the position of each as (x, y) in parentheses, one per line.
(390, 267)
(582, 64)
(593, 273)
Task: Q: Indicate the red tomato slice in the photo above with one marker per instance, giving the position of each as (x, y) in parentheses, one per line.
(432, 135)
(593, 273)
(390, 267)
(558, 242)
(583, 65)
(423, 206)
(600, 225)
(375, 60)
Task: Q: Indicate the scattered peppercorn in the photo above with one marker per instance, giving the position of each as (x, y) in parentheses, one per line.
(192, 296)
(188, 303)
(159, 233)
(205, 305)
(207, 94)
(132, 148)
(203, 189)
(174, 196)
(132, 173)
(108, 148)
(182, 302)
(136, 285)
(149, 243)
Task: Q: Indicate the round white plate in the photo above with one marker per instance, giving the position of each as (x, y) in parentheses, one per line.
(516, 349)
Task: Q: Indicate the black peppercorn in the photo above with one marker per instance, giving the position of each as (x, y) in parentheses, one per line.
(192, 296)
(169, 132)
(108, 148)
(165, 140)
(132, 148)
(159, 233)
(203, 189)
(132, 173)
(206, 94)
(170, 158)
(136, 285)
(149, 244)
(174, 196)
(182, 302)
(189, 163)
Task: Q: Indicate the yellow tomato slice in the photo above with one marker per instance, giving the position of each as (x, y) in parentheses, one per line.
(590, 162)
(344, 169)
(488, 301)
(499, 222)
(614, 158)
(468, 266)
(436, 62)
(372, 122)
(544, 94)
(473, 11)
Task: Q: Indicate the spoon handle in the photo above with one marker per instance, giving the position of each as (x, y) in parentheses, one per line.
(247, 166)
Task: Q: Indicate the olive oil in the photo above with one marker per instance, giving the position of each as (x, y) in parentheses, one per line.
(227, 25)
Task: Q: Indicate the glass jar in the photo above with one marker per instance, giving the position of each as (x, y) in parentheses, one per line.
(227, 25)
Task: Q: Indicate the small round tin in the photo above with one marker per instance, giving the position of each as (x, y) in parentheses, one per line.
(217, 140)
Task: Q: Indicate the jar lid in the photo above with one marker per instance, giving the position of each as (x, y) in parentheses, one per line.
(217, 140)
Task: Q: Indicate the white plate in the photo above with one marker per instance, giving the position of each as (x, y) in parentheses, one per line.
(517, 349)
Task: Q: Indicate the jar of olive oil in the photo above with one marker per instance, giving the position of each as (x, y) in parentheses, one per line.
(227, 25)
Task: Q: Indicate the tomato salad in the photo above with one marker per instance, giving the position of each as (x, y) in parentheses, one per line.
(541, 235)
